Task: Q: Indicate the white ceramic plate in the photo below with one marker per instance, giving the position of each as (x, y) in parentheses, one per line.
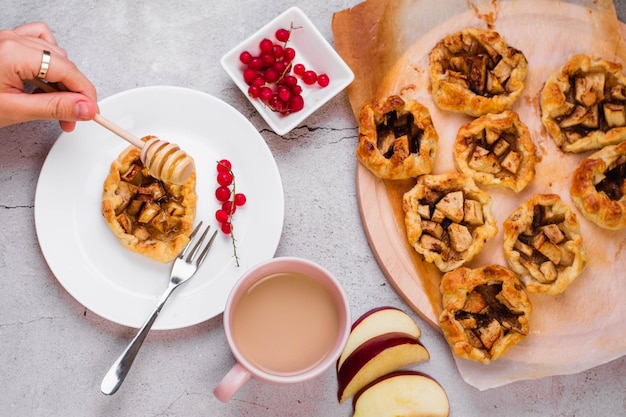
(121, 285)
(312, 50)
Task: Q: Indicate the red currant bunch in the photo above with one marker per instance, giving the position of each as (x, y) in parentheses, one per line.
(228, 197)
(269, 74)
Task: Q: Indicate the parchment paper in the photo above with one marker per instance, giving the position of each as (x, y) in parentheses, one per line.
(387, 42)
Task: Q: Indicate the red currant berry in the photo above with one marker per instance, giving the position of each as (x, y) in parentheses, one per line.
(245, 57)
(282, 35)
(253, 91)
(266, 46)
(229, 207)
(224, 165)
(240, 199)
(222, 194)
(224, 178)
(268, 60)
(290, 80)
(227, 228)
(296, 90)
(290, 54)
(249, 75)
(323, 80)
(296, 103)
(255, 63)
(298, 69)
(278, 51)
(280, 66)
(221, 216)
(271, 75)
(284, 94)
(309, 77)
(266, 94)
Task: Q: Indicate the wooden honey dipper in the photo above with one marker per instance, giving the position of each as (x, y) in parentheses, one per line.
(165, 161)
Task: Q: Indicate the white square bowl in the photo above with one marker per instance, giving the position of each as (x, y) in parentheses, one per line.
(312, 50)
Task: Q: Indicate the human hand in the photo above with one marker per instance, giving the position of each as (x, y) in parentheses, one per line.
(21, 51)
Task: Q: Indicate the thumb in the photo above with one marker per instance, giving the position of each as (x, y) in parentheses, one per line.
(65, 106)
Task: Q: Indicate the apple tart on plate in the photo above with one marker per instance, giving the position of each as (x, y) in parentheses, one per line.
(583, 105)
(448, 219)
(485, 311)
(147, 216)
(543, 244)
(496, 149)
(599, 187)
(397, 139)
(474, 71)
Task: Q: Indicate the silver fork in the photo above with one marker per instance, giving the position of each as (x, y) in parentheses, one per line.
(184, 267)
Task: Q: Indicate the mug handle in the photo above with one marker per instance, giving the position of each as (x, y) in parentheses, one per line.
(232, 381)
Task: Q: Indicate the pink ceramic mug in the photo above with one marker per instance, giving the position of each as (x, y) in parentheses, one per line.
(286, 321)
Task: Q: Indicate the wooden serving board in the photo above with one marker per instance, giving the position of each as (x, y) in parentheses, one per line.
(380, 201)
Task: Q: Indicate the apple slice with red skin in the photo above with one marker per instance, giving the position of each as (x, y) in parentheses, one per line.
(376, 357)
(402, 394)
(377, 321)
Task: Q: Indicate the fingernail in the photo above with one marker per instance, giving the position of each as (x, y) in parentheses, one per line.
(82, 110)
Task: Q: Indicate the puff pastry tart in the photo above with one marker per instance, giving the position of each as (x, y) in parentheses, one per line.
(476, 72)
(448, 219)
(583, 105)
(598, 187)
(485, 311)
(397, 139)
(148, 216)
(543, 244)
(496, 149)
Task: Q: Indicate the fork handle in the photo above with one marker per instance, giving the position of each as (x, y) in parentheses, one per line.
(118, 371)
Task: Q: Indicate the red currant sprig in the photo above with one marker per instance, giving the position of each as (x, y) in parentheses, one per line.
(269, 78)
(226, 193)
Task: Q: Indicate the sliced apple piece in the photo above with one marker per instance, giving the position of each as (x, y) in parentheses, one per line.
(376, 357)
(377, 321)
(402, 394)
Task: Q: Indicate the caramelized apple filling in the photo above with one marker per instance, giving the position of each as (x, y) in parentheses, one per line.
(485, 318)
(475, 72)
(475, 65)
(148, 210)
(147, 216)
(496, 149)
(614, 182)
(397, 139)
(583, 105)
(485, 311)
(448, 219)
(596, 101)
(397, 133)
(543, 244)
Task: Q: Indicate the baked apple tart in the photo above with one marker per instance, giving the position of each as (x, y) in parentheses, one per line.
(448, 219)
(148, 216)
(485, 311)
(496, 149)
(598, 187)
(397, 139)
(583, 105)
(543, 244)
(474, 71)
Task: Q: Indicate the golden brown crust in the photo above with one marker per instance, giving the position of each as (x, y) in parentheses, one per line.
(475, 72)
(149, 217)
(583, 104)
(397, 139)
(448, 219)
(485, 311)
(543, 244)
(598, 187)
(496, 149)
